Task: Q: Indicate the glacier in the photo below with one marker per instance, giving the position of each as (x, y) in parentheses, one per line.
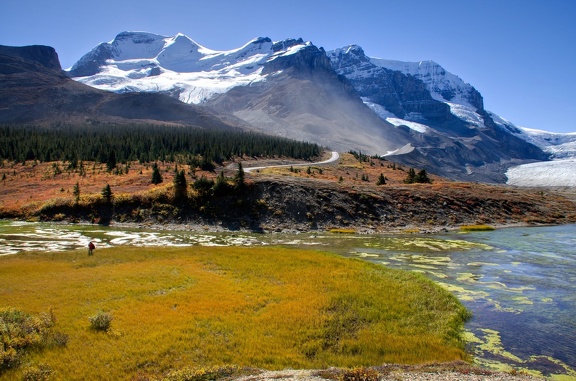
(177, 65)
(559, 172)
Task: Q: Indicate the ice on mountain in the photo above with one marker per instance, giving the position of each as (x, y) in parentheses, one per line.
(422, 128)
(139, 61)
(556, 173)
(466, 113)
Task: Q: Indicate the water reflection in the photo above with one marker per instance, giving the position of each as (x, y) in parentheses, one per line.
(519, 283)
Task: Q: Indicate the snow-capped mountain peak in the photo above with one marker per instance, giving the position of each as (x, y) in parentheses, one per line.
(177, 65)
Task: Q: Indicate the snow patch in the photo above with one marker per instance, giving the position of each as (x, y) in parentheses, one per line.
(558, 145)
(400, 151)
(412, 125)
(378, 109)
(556, 173)
(467, 114)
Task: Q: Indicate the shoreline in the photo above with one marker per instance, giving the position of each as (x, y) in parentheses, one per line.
(396, 372)
(212, 228)
(205, 228)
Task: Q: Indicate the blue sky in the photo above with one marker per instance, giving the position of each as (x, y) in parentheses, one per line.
(520, 54)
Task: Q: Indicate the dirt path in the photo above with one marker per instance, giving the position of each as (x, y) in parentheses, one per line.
(335, 156)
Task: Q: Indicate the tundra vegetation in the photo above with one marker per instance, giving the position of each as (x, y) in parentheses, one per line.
(148, 313)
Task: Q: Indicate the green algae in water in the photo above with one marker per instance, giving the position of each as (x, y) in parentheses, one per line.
(424, 244)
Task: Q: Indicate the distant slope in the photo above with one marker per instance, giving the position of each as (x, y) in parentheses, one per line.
(304, 99)
(33, 88)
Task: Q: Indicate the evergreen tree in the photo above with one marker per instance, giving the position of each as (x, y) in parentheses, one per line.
(239, 179)
(411, 178)
(156, 175)
(107, 194)
(111, 161)
(76, 192)
(381, 179)
(422, 177)
(221, 186)
(180, 186)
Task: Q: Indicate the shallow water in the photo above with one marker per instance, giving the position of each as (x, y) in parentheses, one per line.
(520, 283)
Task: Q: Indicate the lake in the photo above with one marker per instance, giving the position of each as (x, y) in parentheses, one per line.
(520, 283)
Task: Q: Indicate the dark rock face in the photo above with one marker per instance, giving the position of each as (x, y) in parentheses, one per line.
(306, 61)
(91, 63)
(399, 93)
(39, 54)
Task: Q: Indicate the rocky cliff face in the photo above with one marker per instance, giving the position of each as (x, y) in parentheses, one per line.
(400, 94)
(45, 56)
(452, 133)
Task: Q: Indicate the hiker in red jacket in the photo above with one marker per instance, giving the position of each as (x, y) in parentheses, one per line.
(91, 248)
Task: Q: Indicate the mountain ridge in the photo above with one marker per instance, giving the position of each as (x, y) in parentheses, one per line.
(34, 89)
(417, 113)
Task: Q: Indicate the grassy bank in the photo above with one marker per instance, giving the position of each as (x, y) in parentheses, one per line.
(201, 306)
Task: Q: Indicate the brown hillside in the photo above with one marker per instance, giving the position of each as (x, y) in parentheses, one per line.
(301, 197)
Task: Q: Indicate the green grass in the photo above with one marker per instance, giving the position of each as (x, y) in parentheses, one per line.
(200, 307)
(342, 231)
(476, 228)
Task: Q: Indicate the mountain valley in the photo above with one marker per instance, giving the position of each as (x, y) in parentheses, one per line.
(414, 113)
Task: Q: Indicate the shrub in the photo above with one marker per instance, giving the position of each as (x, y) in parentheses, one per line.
(360, 374)
(194, 374)
(101, 321)
(41, 372)
(156, 175)
(476, 228)
(107, 194)
(381, 180)
(19, 332)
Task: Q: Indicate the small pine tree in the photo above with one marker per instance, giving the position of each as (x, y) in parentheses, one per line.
(381, 180)
(239, 179)
(107, 194)
(76, 192)
(411, 178)
(180, 186)
(221, 186)
(422, 177)
(111, 162)
(156, 175)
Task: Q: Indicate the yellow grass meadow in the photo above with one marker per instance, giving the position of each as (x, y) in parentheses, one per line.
(263, 307)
